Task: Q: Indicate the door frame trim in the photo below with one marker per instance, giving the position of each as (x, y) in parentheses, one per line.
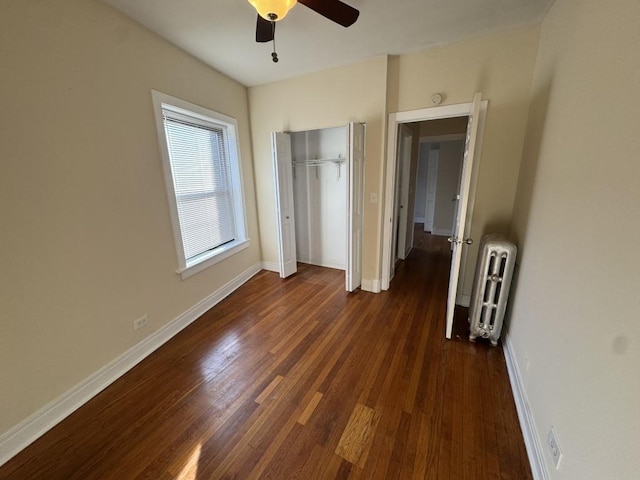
(423, 114)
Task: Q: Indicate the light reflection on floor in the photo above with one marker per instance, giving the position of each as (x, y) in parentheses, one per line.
(190, 470)
(226, 348)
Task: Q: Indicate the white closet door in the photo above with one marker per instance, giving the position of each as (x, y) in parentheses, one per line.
(282, 162)
(457, 239)
(354, 207)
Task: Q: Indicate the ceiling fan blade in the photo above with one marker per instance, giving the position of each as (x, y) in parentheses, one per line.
(264, 30)
(334, 10)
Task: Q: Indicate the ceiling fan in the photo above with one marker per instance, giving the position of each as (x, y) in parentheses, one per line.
(272, 11)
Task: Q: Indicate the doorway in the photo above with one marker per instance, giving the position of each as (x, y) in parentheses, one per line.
(475, 111)
(437, 179)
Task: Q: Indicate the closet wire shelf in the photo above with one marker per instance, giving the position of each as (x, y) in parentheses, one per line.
(320, 162)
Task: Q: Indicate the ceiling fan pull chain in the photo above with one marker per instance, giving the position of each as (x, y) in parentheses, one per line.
(274, 55)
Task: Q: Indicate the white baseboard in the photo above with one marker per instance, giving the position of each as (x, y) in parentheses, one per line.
(527, 424)
(464, 300)
(370, 285)
(271, 266)
(34, 426)
(323, 262)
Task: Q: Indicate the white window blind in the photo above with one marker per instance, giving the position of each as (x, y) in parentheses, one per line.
(202, 179)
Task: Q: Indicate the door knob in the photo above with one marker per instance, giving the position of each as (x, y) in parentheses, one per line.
(459, 241)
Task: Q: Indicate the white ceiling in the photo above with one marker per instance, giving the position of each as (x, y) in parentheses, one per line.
(221, 33)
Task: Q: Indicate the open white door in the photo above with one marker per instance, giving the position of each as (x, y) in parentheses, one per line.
(354, 207)
(405, 226)
(396, 210)
(457, 239)
(401, 197)
(281, 148)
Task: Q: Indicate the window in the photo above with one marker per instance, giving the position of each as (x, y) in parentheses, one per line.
(202, 174)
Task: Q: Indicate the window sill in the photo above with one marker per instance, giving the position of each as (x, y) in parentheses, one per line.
(211, 258)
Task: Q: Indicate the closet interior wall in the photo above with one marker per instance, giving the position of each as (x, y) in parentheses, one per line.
(320, 196)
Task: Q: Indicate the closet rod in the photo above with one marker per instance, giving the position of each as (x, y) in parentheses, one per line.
(319, 161)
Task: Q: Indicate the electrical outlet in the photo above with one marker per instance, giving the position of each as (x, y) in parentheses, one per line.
(554, 447)
(140, 322)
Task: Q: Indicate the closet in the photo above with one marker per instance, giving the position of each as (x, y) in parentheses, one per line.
(320, 196)
(319, 176)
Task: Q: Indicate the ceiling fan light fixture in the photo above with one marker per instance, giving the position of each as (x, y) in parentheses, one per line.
(273, 10)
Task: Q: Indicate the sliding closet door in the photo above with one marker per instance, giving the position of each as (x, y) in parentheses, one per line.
(281, 148)
(354, 206)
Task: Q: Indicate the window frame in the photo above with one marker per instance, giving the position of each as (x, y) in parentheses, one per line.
(161, 102)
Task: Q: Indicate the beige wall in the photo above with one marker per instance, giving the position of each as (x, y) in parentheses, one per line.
(500, 66)
(574, 324)
(86, 235)
(355, 93)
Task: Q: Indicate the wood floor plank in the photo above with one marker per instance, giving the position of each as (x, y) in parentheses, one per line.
(356, 439)
(313, 463)
(384, 443)
(399, 444)
(269, 390)
(293, 334)
(417, 368)
(408, 460)
(282, 374)
(420, 462)
(310, 408)
(332, 466)
(292, 456)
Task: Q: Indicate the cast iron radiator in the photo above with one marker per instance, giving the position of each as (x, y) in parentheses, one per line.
(494, 270)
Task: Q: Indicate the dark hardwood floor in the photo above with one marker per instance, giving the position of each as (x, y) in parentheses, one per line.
(298, 379)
